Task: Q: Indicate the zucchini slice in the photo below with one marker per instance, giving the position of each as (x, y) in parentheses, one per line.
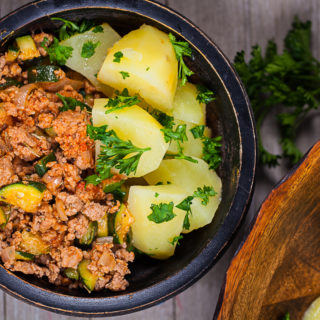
(71, 273)
(121, 222)
(41, 167)
(43, 73)
(88, 278)
(3, 217)
(25, 196)
(103, 227)
(33, 243)
(27, 46)
(10, 82)
(20, 255)
(12, 54)
(50, 132)
(90, 235)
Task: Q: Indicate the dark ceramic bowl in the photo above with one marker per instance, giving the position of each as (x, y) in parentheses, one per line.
(154, 281)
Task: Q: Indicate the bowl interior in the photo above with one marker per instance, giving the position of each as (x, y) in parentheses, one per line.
(221, 117)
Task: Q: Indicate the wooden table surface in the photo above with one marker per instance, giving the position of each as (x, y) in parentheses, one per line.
(233, 25)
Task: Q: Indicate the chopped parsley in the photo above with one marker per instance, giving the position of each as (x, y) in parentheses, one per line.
(186, 206)
(181, 49)
(148, 69)
(118, 56)
(97, 29)
(204, 94)
(114, 153)
(204, 194)
(156, 195)
(161, 212)
(122, 100)
(125, 74)
(57, 53)
(179, 134)
(88, 49)
(176, 239)
(71, 103)
(286, 316)
(211, 147)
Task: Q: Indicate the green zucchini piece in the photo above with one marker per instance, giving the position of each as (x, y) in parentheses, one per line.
(3, 217)
(103, 227)
(120, 223)
(27, 47)
(25, 196)
(71, 273)
(20, 255)
(12, 54)
(10, 82)
(88, 278)
(109, 188)
(42, 74)
(50, 132)
(90, 235)
(41, 166)
(33, 243)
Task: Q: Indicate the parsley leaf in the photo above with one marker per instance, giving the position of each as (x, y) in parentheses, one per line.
(186, 206)
(156, 195)
(125, 74)
(97, 29)
(162, 212)
(198, 131)
(88, 49)
(179, 134)
(114, 152)
(176, 239)
(284, 85)
(93, 179)
(122, 100)
(71, 103)
(181, 49)
(57, 53)
(286, 316)
(118, 56)
(204, 94)
(204, 194)
(163, 118)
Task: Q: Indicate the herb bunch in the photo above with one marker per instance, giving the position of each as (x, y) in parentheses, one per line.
(287, 84)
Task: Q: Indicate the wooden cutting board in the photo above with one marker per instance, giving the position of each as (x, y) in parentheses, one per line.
(277, 268)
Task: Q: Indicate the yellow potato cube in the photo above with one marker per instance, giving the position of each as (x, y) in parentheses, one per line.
(151, 64)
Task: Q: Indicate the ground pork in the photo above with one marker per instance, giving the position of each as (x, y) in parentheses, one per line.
(71, 257)
(42, 39)
(7, 174)
(69, 204)
(77, 227)
(71, 129)
(25, 145)
(9, 69)
(45, 120)
(90, 192)
(94, 211)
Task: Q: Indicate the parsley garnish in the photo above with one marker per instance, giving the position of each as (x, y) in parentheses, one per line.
(122, 100)
(114, 153)
(162, 212)
(204, 94)
(204, 194)
(286, 316)
(176, 239)
(148, 69)
(88, 49)
(118, 56)
(57, 53)
(186, 206)
(284, 85)
(181, 49)
(211, 147)
(156, 195)
(97, 29)
(71, 103)
(125, 74)
(179, 134)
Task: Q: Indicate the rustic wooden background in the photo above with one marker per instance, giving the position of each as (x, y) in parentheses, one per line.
(234, 25)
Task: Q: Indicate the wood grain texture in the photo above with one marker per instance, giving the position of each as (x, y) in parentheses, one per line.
(280, 259)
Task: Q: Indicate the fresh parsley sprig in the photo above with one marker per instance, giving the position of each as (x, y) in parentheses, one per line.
(122, 100)
(181, 49)
(204, 94)
(71, 104)
(88, 49)
(57, 53)
(285, 86)
(114, 153)
(176, 239)
(161, 212)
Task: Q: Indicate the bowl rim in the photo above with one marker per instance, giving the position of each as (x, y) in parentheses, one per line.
(200, 265)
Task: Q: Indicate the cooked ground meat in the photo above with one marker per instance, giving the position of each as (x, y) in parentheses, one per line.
(32, 126)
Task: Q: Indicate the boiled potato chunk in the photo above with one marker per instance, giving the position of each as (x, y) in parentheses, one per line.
(89, 67)
(150, 237)
(150, 61)
(192, 147)
(313, 312)
(190, 176)
(138, 126)
(186, 107)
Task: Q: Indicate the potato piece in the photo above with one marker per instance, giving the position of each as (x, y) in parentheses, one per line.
(90, 67)
(186, 107)
(192, 147)
(190, 176)
(138, 126)
(150, 237)
(150, 60)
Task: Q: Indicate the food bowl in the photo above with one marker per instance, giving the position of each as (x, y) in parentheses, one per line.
(230, 116)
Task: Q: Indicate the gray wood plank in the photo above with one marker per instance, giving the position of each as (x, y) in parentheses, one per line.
(2, 304)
